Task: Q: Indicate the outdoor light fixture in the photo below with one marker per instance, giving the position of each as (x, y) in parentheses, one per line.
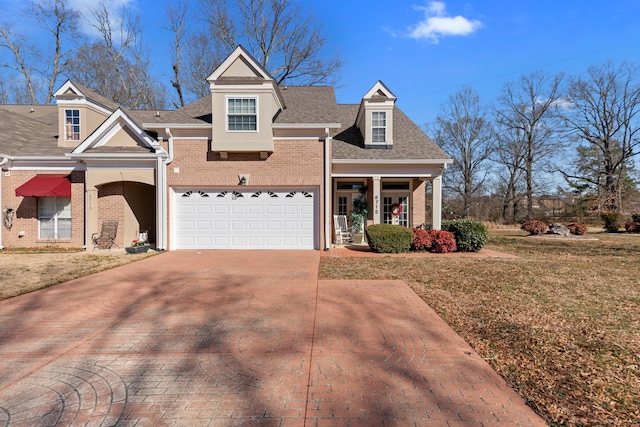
(244, 179)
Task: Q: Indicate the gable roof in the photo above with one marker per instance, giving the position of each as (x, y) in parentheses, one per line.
(90, 95)
(98, 140)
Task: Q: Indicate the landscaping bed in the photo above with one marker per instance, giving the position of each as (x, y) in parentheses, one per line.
(561, 323)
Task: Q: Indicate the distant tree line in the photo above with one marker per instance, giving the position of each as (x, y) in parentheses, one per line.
(548, 146)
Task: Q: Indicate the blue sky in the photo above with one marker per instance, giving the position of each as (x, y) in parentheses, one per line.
(424, 51)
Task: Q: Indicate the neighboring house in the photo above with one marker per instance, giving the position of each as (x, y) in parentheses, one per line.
(252, 165)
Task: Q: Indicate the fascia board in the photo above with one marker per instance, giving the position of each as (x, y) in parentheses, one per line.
(306, 125)
(176, 126)
(393, 162)
(117, 156)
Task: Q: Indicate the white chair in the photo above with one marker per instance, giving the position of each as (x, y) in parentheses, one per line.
(342, 231)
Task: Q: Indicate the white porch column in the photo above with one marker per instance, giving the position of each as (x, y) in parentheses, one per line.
(376, 200)
(436, 210)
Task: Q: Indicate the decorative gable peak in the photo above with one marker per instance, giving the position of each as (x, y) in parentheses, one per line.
(118, 134)
(375, 117)
(379, 92)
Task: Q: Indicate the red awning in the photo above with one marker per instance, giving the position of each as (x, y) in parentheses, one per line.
(45, 186)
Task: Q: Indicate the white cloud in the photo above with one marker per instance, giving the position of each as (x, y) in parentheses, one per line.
(437, 24)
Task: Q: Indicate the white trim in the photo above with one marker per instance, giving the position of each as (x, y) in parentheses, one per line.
(47, 168)
(176, 126)
(297, 138)
(306, 125)
(257, 113)
(101, 135)
(381, 175)
(199, 138)
(117, 156)
(392, 162)
(64, 124)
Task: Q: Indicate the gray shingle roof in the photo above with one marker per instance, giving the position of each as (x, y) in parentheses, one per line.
(26, 133)
(409, 141)
(308, 104)
(35, 133)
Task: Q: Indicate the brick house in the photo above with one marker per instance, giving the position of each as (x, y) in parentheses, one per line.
(252, 165)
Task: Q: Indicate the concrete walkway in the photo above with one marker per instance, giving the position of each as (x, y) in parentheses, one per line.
(240, 338)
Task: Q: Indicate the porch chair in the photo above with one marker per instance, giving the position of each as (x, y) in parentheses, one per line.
(106, 238)
(342, 231)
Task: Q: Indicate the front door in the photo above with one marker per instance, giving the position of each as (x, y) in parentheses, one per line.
(395, 209)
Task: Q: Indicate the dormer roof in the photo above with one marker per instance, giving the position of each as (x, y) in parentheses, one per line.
(74, 92)
(240, 68)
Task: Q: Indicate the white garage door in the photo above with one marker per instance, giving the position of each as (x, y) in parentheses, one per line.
(217, 219)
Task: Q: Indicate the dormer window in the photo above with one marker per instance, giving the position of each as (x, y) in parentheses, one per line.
(242, 114)
(378, 127)
(72, 125)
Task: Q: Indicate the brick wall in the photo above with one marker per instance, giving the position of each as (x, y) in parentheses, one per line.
(293, 164)
(418, 207)
(111, 207)
(26, 212)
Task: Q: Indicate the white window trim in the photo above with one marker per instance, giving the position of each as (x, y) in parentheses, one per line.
(379, 127)
(226, 117)
(56, 216)
(79, 124)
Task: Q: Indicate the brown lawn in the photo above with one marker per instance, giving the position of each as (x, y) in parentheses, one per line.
(22, 271)
(561, 323)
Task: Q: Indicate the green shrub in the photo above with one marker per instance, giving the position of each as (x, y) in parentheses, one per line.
(635, 217)
(577, 228)
(534, 227)
(470, 235)
(612, 221)
(388, 238)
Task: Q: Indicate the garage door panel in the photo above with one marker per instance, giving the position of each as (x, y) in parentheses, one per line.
(231, 219)
(203, 209)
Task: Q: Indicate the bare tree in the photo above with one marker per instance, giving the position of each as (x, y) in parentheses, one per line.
(509, 154)
(603, 116)
(62, 23)
(526, 113)
(21, 52)
(463, 131)
(275, 32)
(177, 24)
(116, 66)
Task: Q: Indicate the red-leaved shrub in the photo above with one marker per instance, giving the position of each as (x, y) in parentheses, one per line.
(438, 241)
(534, 227)
(443, 242)
(422, 240)
(577, 228)
(632, 227)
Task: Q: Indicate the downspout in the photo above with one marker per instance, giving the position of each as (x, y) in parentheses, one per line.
(327, 189)
(162, 192)
(2, 163)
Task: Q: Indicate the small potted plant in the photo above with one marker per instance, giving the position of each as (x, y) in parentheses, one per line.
(359, 215)
(137, 247)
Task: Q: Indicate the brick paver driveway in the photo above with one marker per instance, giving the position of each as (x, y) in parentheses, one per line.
(239, 338)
